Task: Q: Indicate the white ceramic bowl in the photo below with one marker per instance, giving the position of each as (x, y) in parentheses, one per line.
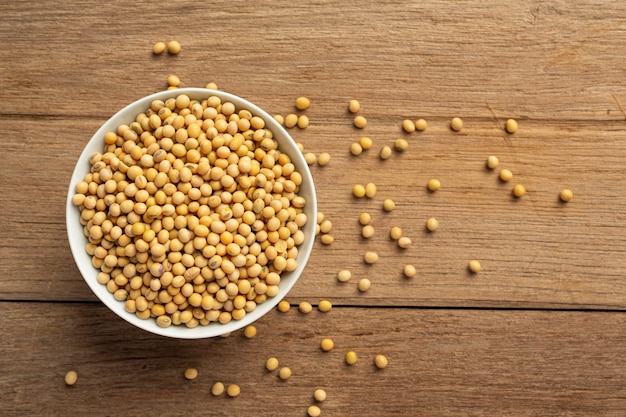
(78, 240)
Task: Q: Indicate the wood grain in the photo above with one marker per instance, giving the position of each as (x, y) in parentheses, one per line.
(441, 362)
(539, 331)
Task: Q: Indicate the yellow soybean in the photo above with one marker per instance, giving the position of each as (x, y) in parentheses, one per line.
(510, 126)
(323, 159)
(250, 331)
(271, 364)
(233, 390)
(173, 47)
(319, 395)
(381, 361)
(474, 266)
(284, 373)
(360, 122)
(432, 224)
(313, 411)
(389, 205)
(358, 191)
(434, 184)
(327, 345)
(354, 106)
(364, 284)
(71, 377)
(217, 389)
(408, 125)
(456, 124)
(492, 162)
(302, 103)
(191, 373)
(305, 307)
(566, 195)
(344, 275)
(365, 142)
(325, 306)
(505, 175)
(158, 48)
(385, 152)
(409, 271)
(421, 124)
(351, 358)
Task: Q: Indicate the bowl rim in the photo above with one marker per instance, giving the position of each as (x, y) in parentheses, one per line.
(89, 273)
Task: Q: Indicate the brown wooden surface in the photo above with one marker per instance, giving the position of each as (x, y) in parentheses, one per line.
(538, 332)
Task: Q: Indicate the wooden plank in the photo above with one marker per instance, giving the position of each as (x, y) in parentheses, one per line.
(441, 362)
(531, 60)
(536, 252)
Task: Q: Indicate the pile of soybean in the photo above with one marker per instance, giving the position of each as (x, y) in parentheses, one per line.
(192, 212)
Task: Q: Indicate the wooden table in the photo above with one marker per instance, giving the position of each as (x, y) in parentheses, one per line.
(540, 331)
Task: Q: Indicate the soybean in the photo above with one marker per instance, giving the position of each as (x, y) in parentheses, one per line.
(250, 331)
(217, 389)
(319, 395)
(358, 191)
(401, 145)
(492, 162)
(364, 284)
(354, 106)
(433, 184)
(510, 126)
(395, 233)
(351, 358)
(360, 122)
(173, 47)
(505, 175)
(284, 373)
(365, 142)
(302, 103)
(303, 122)
(519, 190)
(327, 345)
(324, 306)
(409, 271)
(432, 224)
(408, 125)
(71, 377)
(456, 124)
(389, 205)
(291, 120)
(344, 275)
(566, 195)
(327, 239)
(271, 364)
(191, 373)
(404, 242)
(323, 159)
(385, 152)
(356, 149)
(421, 124)
(305, 307)
(313, 411)
(370, 257)
(159, 48)
(365, 218)
(381, 361)
(367, 231)
(233, 390)
(474, 266)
